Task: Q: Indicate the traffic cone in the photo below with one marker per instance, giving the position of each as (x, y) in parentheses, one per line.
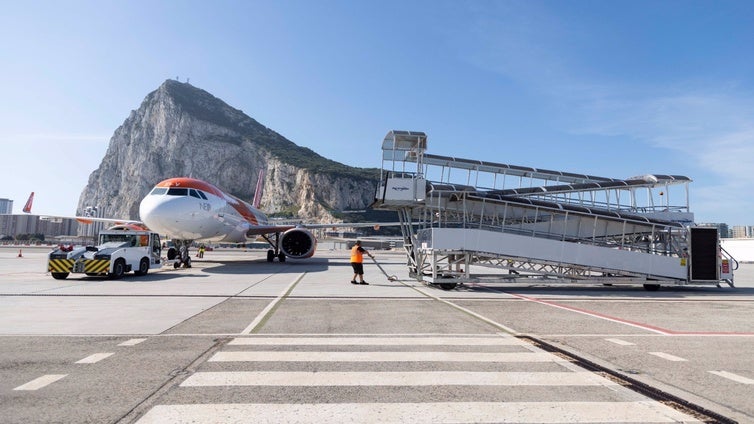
(20, 255)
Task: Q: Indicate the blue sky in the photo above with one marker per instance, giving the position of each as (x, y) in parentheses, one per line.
(611, 88)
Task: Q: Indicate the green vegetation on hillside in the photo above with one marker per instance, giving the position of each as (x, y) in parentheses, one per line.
(205, 106)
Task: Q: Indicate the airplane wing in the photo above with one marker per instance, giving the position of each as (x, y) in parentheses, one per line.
(269, 229)
(81, 219)
(91, 219)
(352, 225)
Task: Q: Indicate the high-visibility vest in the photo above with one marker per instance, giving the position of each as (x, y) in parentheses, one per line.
(357, 256)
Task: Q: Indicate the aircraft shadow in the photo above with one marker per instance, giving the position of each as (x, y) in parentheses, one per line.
(261, 266)
(130, 278)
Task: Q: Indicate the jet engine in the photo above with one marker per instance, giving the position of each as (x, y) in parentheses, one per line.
(298, 243)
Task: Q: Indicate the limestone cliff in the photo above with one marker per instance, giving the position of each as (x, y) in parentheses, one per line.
(180, 130)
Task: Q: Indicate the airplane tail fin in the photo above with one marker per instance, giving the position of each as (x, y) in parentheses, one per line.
(27, 206)
(258, 190)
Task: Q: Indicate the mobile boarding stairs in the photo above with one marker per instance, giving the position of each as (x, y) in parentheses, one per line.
(467, 220)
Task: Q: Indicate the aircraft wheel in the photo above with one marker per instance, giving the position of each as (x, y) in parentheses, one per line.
(187, 262)
(176, 264)
(119, 268)
(651, 287)
(281, 257)
(270, 255)
(60, 275)
(143, 267)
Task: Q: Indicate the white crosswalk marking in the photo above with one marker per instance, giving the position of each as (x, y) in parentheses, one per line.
(423, 378)
(40, 382)
(278, 356)
(434, 412)
(376, 341)
(94, 358)
(668, 356)
(325, 372)
(735, 377)
(621, 342)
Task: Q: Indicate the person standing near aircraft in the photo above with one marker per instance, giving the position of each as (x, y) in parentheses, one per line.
(357, 262)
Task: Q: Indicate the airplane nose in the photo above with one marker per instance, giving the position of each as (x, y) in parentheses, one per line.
(157, 213)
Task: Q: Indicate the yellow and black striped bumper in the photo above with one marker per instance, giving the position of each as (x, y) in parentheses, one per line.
(89, 266)
(60, 265)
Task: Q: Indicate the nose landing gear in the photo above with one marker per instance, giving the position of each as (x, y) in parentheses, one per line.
(180, 254)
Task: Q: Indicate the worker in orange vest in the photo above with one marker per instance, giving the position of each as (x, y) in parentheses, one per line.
(357, 262)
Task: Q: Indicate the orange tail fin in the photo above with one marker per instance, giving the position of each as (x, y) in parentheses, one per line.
(27, 206)
(258, 190)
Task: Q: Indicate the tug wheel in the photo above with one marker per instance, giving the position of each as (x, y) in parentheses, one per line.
(119, 268)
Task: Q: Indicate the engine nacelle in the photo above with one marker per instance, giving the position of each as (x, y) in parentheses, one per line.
(298, 243)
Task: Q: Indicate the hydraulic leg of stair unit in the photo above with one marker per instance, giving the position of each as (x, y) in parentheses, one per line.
(445, 269)
(409, 239)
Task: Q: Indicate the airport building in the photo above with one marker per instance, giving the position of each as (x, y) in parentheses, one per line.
(15, 225)
(742, 231)
(6, 206)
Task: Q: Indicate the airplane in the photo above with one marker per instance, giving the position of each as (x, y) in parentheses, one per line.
(190, 210)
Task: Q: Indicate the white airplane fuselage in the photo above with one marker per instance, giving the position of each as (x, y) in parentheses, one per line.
(190, 209)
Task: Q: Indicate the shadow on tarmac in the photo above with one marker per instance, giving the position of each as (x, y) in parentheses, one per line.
(261, 266)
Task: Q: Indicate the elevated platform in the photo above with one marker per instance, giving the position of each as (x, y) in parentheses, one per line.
(458, 213)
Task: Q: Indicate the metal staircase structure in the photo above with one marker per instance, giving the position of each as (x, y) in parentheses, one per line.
(461, 217)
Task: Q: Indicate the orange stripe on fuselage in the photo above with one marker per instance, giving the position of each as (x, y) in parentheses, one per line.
(243, 208)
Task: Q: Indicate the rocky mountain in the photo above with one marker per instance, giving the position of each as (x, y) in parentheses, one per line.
(180, 130)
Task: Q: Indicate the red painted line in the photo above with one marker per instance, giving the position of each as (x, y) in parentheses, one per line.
(652, 328)
(643, 326)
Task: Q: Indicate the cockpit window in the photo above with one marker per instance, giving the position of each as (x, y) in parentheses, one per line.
(193, 193)
(202, 195)
(158, 191)
(178, 192)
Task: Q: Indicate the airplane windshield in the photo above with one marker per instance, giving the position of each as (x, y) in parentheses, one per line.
(178, 192)
(174, 191)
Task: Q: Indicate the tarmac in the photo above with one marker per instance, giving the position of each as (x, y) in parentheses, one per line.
(236, 337)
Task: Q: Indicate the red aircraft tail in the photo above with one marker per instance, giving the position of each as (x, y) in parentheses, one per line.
(258, 190)
(27, 206)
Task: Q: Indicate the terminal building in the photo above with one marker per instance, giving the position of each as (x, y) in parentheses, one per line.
(52, 228)
(6, 206)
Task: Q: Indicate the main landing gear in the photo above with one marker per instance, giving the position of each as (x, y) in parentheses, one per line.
(271, 256)
(275, 252)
